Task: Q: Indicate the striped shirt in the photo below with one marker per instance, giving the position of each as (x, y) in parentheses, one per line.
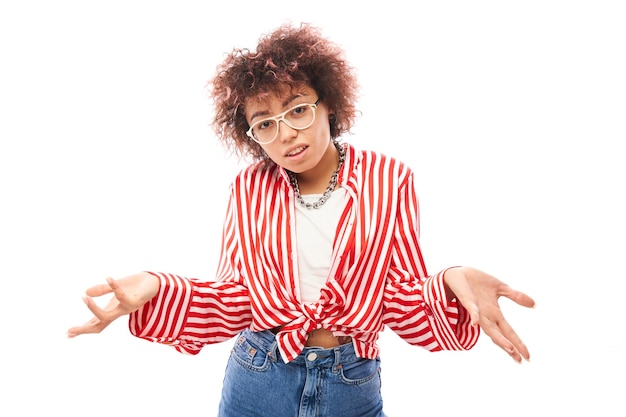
(377, 274)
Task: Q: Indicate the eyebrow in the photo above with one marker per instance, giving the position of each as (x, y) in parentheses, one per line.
(284, 104)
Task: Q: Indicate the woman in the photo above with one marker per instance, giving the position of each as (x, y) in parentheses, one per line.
(320, 250)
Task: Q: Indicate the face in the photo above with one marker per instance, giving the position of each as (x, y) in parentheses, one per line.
(299, 151)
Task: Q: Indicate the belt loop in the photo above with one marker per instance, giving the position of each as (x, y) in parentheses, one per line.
(337, 364)
(273, 352)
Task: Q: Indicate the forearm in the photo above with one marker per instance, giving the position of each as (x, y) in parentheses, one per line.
(190, 314)
(421, 314)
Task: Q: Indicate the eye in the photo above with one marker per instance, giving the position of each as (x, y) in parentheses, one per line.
(300, 111)
(264, 124)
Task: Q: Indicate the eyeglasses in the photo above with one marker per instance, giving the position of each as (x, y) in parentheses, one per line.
(298, 117)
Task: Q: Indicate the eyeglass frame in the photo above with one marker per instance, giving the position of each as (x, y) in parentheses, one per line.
(281, 117)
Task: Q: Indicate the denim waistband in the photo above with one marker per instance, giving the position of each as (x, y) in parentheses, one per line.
(310, 356)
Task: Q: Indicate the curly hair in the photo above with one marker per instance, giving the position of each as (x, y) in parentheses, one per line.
(291, 56)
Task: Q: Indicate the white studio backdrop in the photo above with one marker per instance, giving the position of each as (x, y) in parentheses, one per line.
(511, 114)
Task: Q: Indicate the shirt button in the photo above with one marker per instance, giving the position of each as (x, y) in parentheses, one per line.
(311, 356)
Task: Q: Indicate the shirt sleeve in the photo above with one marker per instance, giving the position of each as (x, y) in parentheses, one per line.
(188, 313)
(419, 313)
(415, 304)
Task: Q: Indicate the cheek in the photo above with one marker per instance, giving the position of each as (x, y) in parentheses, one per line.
(322, 129)
(271, 150)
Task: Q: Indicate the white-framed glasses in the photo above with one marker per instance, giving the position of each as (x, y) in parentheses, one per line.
(298, 117)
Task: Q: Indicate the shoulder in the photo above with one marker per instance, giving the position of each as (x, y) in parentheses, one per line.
(372, 161)
(256, 173)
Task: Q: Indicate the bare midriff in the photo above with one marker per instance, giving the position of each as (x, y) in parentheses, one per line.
(322, 338)
(326, 339)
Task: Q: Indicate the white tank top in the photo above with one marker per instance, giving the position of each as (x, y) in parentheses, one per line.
(315, 233)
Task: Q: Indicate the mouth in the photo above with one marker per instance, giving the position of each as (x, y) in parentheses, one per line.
(296, 151)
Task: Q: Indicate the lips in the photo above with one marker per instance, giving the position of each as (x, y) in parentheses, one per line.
(295, 151)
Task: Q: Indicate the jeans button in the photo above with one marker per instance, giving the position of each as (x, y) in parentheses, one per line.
(311, 356)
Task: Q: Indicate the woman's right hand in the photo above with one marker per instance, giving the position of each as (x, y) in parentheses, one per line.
(129, 294)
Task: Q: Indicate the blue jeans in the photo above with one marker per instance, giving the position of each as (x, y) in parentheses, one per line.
(319, 382)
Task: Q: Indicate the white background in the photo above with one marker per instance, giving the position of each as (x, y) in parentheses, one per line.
(511, 113)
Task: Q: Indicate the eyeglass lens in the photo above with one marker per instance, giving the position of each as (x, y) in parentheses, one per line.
(298, 117)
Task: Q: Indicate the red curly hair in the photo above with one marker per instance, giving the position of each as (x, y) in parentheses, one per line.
(290, 56)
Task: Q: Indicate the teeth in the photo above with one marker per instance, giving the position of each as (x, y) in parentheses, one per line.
(297, 150)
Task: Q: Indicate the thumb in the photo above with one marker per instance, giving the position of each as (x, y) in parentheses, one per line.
(460, 289)
(472, 310)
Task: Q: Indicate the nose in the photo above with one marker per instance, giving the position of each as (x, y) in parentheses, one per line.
(285, 132)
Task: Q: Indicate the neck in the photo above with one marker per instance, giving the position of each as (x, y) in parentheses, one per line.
(316, 180)
(332, 183)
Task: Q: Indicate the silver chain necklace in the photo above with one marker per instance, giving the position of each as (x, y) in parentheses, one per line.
(331, 185)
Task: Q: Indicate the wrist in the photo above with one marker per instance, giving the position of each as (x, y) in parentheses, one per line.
(452, 274)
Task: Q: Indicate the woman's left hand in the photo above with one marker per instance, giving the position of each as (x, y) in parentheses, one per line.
(479, 292)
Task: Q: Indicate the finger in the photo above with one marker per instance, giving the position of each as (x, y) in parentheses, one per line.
(93, 307)
(99, 290)
(108, 314)
(511, 335)
(124, 301)
(102, 317)
(94, 325)
(518, 297)
(492, 330)
(115, 306)
(504, 336)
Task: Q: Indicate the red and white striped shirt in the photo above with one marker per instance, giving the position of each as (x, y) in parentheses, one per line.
(377, 274)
